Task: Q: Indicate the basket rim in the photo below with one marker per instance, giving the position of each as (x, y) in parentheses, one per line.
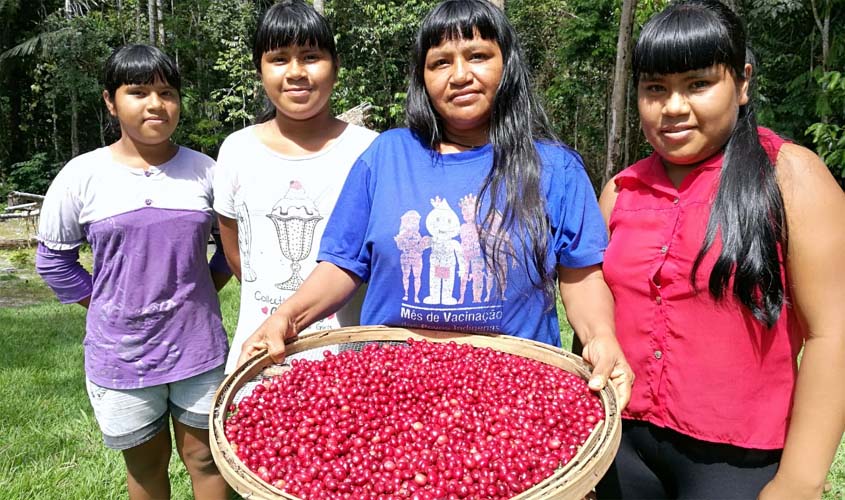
(573, 480)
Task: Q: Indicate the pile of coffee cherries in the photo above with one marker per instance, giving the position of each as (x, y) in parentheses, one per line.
(421, 420)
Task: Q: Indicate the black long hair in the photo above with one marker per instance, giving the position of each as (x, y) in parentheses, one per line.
(517, 120)
(290, 22)
(747, 213)
(139, 65)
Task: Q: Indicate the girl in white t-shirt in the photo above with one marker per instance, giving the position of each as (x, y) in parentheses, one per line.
(278, 181)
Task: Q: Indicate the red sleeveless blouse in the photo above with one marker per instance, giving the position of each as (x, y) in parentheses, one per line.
(704, 368)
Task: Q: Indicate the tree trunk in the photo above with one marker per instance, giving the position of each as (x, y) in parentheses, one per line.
(74, 124)
(499, 3)
(138, 20)
(823, 24)
(54, 118)
(120, 20)
(160, 22)
(620, 85)
(151, 17)
(319, 6)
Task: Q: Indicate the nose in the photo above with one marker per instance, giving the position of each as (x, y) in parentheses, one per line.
(676, 104)
(155, 101)
(296, 69)
(462, 73)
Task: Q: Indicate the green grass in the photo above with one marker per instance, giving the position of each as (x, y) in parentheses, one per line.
(50, 445)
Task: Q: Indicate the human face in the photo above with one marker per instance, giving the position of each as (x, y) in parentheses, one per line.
(148, 113)
(687, 117)
(461, 77)
(298, 80)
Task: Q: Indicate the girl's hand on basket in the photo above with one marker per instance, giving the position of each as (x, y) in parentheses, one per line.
(270, 336)
(605, 354)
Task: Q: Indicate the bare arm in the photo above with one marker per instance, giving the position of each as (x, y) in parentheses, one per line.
(589, 309)
(229, 238)
(325, 290)
(814, 209)
(607, 200)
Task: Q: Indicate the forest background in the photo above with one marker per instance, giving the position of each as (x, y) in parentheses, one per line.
(51, 52)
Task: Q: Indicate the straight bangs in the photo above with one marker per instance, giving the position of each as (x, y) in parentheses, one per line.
(140, 65)
(459, 20)
(292, 24)
(684, 39)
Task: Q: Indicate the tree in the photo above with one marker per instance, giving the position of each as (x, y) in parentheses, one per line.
(618, 102)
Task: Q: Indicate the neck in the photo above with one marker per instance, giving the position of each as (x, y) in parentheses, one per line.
(462, 140)
(140, 155)
(298, 137)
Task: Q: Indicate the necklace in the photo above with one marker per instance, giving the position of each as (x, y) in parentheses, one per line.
(456, 143)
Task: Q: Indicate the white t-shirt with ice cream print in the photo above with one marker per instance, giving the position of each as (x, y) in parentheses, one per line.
(282, 204)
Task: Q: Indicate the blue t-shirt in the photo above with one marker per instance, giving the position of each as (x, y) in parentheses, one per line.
(405, 222)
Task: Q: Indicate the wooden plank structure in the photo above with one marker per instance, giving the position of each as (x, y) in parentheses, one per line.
(21, 205)
(570, 482)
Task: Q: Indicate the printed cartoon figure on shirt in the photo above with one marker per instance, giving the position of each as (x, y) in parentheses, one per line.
(411, 245)
(446, 254)
(476, 272)
(295, 217)
(506, 248)
(245, 241)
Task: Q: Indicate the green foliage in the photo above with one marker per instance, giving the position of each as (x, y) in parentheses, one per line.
(374, 40)
(829, 134)
(50, 58)
(21, 258)
(33, 175)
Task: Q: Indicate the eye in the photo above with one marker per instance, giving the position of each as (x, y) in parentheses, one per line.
(654, 88)
(479, 56)
(700, 84)
(438, 63)
(311, 57)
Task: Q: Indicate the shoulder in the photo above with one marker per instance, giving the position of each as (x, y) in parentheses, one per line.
(557, 155)
(805, 180)
(197, 158)
(361, 134)
(396, 135)
(239, 138)
(390, 143)
(84, 166)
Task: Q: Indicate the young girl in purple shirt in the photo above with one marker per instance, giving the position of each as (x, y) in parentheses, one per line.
(154, 344)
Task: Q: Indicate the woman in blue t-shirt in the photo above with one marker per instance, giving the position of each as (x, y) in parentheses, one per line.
(415, 218)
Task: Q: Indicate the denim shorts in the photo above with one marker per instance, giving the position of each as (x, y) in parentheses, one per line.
(131, 417)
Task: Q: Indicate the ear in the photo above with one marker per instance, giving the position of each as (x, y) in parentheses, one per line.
(336, 68)
(747, 71)
(109, 103)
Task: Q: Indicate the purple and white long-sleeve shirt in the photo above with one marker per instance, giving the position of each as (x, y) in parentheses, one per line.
(154, 316)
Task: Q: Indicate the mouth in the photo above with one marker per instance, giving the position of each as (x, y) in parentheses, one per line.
(677, 132)
(155, 119)
(297, 91)
(464, 95)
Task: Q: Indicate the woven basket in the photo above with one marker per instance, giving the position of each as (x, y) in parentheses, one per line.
(573, 481)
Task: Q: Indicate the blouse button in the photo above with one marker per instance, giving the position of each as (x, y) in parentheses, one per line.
(659, 300)
(148, 202)
(658, 354)
(664, 249)
(676, 200)
(148, 173)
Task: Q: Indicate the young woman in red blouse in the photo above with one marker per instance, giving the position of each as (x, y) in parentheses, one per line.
(725, 260)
